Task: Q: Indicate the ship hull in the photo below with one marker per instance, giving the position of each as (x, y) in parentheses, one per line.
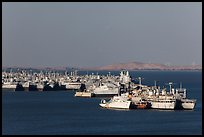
(163, 105)
(83, 94)
(124, 105)
(185, 104)
(119, 104)
(9, 87)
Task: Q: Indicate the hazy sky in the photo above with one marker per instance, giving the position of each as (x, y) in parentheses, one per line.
(97, 34)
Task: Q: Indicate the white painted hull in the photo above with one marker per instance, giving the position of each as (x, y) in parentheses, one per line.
(73, 85)
(106, 92)
(123, 105)
(10, 86)
(116, 102)
(26, 86)
(40, 87)
(83, 94)
(188, 104)
(163, 105)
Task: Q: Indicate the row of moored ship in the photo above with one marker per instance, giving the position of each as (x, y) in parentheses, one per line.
(123, 93)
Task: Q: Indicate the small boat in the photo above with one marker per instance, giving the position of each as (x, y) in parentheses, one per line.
(188, 103)
(142, 104)
(116, 102)
(83, 94)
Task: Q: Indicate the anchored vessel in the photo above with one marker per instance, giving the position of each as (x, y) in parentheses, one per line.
(188, 103)
(142, 104)
(83, 94)
(9, 86)
(182, 101)
(103, 89)
(163, 104)
(116, 102)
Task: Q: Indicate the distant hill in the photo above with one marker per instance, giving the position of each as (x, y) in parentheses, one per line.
(143, 66)
(119, 66)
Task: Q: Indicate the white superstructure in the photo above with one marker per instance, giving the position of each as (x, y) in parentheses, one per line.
(116, 102)
(73, 85)
(163, 104)
(124, 77)
(103, 89)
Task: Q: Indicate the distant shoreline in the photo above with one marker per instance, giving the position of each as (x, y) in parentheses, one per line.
(130, 66)
(78, 69)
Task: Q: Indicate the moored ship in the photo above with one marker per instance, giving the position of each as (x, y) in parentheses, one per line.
(188, 103)
(119, 102)
(142, 104)
(163, 104)
(9, 86)
(104, 90)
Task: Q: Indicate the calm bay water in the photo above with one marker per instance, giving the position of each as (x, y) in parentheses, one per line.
(59, 112)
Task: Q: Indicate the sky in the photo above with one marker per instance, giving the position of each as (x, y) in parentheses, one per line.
(90, 34)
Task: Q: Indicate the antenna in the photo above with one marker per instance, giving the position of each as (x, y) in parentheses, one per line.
(180, 85)
(155, 83)
(109, 73)
(140, 80)
(170, 86)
